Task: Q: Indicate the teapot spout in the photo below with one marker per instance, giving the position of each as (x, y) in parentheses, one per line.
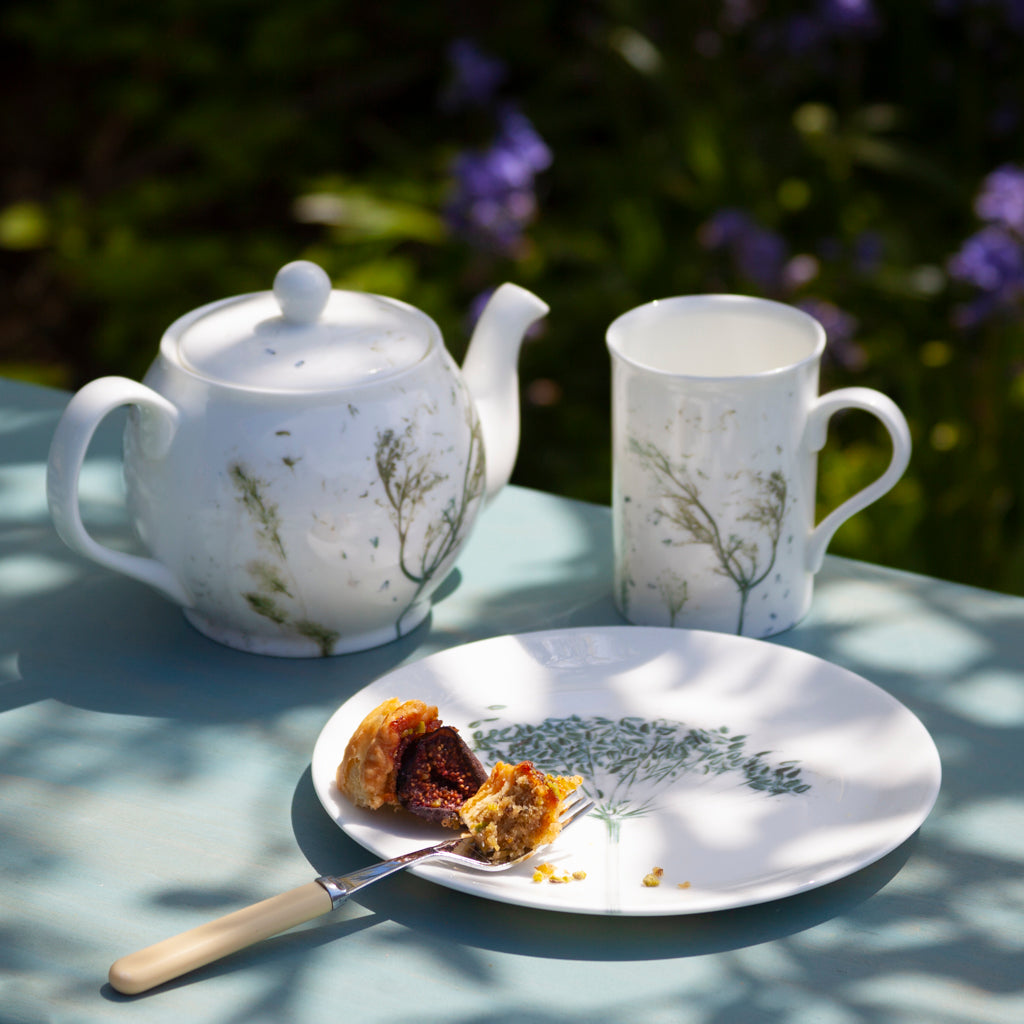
(490, 371)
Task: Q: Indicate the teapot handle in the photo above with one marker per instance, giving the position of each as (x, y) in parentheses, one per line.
(70, 443)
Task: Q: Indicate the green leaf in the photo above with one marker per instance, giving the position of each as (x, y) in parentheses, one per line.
(358, 213)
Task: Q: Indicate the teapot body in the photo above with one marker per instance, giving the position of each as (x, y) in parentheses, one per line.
(303, 465)
(308, 523)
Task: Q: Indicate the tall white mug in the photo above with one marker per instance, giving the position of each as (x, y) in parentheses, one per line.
(716, 428)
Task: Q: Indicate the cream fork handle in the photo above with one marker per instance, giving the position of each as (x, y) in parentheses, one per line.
(175, 956)
(199, 946)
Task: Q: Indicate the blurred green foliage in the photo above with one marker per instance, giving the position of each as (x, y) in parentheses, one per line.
(159, 158)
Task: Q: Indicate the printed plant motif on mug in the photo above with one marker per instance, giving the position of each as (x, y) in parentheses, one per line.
(409, 478)
(674, 592)
(275, 595)
(745, 559)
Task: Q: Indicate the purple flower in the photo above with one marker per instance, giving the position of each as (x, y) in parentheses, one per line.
(992, 260)
(840, 329)
(476, 76)
(1014, 11)
(804, 33)
(758, 254)
(761, 256)
(724, 228)
(493, 199)
(848, 17)
(1001, 200)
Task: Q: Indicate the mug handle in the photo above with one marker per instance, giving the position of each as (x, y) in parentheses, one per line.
(816, 432)
(67, 453)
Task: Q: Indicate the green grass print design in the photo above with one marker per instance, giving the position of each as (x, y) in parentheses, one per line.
(408, 477)
(740, 558)
(626, 763)
(260, 510)
(272, 594)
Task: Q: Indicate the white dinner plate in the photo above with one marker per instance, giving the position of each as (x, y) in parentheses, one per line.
(743, 770)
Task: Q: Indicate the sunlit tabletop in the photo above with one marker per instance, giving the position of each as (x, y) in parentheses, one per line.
(151, 779)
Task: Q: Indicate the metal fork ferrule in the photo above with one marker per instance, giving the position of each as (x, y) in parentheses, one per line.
(335, 890)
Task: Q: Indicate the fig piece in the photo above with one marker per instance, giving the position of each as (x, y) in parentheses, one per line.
(437, 774)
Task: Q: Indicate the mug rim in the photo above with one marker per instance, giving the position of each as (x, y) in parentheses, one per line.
(717, 301)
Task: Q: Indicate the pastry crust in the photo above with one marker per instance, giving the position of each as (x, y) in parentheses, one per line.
(368, 772)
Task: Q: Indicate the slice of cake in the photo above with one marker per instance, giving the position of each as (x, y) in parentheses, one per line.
(402, 756)
(516, 810)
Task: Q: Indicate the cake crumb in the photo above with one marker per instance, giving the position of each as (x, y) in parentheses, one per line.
(546, 873)
(684, 885)
(653, 878)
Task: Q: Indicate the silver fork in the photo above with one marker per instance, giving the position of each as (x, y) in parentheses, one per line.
(173, 957)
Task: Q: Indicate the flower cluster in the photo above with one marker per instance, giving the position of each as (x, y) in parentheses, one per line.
(762, 258)
(840, 330)
(831, 19)
(493, 197)
(991, 260)
(804, 33)
(476, 76)
(758, 254)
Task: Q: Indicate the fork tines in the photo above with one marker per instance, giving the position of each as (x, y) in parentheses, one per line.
(574, 807)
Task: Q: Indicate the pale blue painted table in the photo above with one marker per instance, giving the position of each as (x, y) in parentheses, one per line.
(150, 779)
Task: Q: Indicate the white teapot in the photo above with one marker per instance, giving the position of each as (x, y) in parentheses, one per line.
(303, 465)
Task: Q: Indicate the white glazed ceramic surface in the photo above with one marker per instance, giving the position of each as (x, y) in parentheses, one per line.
(317, 528)
(716, 425)
(745, 771)
(304, 466)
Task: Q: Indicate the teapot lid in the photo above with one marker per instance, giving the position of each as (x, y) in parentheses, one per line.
(302, 336)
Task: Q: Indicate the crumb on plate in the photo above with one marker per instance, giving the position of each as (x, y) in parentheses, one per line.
(546, 872)
(653, 877)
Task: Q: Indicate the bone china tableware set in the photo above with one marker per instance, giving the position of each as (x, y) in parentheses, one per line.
(305, 465)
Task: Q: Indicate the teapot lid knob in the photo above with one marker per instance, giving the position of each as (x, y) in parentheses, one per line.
(302, 290)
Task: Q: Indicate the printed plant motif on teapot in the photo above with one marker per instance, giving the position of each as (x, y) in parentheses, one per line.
(429, 493)
(274, 594)
(429, 532)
